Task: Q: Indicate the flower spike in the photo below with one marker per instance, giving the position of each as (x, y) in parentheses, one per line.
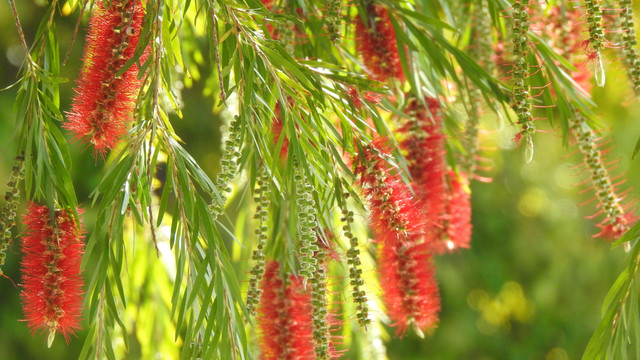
(51, 277)
(376, 43)
(106, 92)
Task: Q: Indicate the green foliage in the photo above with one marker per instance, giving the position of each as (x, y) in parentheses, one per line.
(168, 244)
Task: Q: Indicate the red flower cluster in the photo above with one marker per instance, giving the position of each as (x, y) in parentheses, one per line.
(613, 230)
(284, 317)
(410, 291)
(565, 30)
(52, 283)
(376, 43)
(104, 102)
(457, 224)
(276, 130)
(424, 145)
(443, 197)
(406, 273)
(393, 210)
(369, 96)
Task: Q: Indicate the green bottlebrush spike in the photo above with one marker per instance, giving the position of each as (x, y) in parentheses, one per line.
(629, 42)
(262, 217)
(616, 221)
(520, 71)
(229, 164)
(355, 272)
(287, 36)
(321, 334)
(480, 49)
(482, 42)
(596, 38)
(8, 214)
(307, 226)
(334, 19)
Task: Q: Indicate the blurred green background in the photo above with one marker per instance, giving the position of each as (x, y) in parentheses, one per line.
(531, 286)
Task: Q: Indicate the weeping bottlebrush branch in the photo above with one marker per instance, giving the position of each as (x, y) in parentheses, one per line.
(617, 221)
(519, 73)
(106, 93)
(406, 273)
(596, 38)
(46, 155)
(262, 199)
(10, 209)
(628, 41)
(46, 176)
(51, 278)
(194, 240)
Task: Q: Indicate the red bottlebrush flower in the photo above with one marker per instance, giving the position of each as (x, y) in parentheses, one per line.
(613, 230)
(284, 317)
(270, 28)
(276, 130)
(104, 103)
(457, 224)
(376, 43)
(564, 30)
(410, 291)
(393, 209)
(354, 94)
(369, 96)
(52, 282)
(424, 144)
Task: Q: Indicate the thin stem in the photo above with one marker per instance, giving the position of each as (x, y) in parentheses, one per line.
(214, 28)
(23, 40)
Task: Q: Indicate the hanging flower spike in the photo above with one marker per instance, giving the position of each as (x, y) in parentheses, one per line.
(616, 221)
(458, 220)
(9, 212)
(406, 274)
(480, 49)
(520, 71)
(424, 144)
(629, 42)
(596, 39)
(393, 209)
(355, 269)
(376, 43)
(104, 103)
(322, 318)
(52, 283)
(334, 19)
(410, 291)
(284, 317)
(262, 200)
